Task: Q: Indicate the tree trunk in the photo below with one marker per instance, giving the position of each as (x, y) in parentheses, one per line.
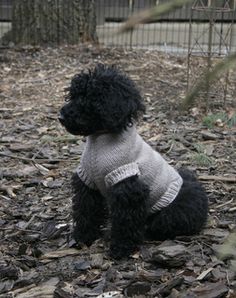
(40, 22)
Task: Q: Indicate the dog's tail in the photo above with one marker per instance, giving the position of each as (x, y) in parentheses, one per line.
(187, 175)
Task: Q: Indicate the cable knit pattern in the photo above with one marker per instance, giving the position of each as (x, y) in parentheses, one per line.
(111, 158)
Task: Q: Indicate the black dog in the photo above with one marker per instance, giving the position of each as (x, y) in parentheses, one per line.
(119, 173)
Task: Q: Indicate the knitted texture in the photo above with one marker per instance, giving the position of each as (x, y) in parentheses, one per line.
(110, 158)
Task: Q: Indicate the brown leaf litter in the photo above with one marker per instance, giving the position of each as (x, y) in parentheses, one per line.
(37, 254)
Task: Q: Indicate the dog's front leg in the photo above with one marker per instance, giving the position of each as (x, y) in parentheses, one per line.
(128, 215)
(89, 212)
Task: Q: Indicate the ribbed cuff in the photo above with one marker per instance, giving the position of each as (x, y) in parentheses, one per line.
(84, 177)
(168, 196)
(121, 173)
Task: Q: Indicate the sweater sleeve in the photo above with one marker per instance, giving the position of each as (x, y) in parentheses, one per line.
(121, 173)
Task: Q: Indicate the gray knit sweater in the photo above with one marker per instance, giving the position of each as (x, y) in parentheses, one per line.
(111, 158)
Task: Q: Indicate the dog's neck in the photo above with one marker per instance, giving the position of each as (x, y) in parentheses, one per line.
(99, 132)
(107, 135)
(104, 131)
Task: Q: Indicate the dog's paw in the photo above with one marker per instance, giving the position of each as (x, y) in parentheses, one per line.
(85, 238)
(118, 252)
(80, 241)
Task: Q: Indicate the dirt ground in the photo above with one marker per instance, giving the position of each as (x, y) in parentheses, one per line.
(37, 254)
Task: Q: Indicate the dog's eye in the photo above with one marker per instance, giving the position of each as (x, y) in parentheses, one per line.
(67, 98)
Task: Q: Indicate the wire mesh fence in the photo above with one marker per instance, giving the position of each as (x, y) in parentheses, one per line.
(171, 33)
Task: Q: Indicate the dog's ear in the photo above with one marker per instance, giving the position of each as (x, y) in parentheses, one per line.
(119, 101)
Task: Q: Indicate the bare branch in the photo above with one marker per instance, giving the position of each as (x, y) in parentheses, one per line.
(224, 65)
(154, 13)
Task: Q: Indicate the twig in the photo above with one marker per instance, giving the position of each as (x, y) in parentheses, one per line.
(29, 222)
(5, 198)
(171, 147)
(39, 160)
(20, 230)
(24, 289)
(154, 13)
(217, 178)
(222, 66)
(9, 189)
(5, 110)
(36, 80)
(224, 204)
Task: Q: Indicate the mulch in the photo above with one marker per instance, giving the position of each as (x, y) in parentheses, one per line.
(38, 257)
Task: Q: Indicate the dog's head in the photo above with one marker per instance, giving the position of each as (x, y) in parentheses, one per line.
(101, 100)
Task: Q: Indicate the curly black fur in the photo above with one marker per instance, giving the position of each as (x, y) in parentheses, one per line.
(128, 216)
(103, 99)
(186, 215)
(89, 212)
(106, 101)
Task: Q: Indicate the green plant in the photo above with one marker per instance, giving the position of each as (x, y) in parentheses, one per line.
(228, 250)
(211, 120)
(200, 158)
(232, 121)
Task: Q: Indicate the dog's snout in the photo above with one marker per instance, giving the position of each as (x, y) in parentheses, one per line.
(61, 118)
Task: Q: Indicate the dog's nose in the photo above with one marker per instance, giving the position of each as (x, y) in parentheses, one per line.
(61, 118)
